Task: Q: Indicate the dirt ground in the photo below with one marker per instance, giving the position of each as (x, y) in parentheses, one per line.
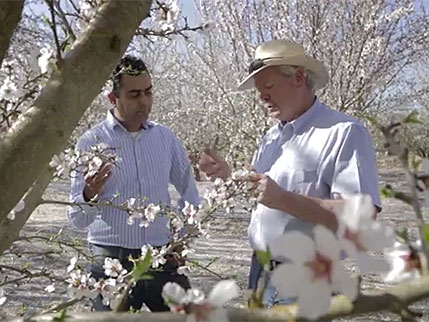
(227, 244)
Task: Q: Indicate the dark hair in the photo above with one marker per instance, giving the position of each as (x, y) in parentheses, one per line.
(129, 65)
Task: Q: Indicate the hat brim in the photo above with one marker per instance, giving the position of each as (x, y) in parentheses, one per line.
(313, 65)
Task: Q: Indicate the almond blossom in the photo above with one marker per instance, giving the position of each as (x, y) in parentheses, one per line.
(8, 90)
(3, 297)
(359, 233)
(50, 288)
(157, 255)
(113, 267)
(193, 302)
(313, 271)
(404, 261)
(150, 212)
(80, 285)
(190, 211)
(46, 60)
(72, 265)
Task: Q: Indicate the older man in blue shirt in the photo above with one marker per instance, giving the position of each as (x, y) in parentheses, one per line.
(306, 163)
(151, 158)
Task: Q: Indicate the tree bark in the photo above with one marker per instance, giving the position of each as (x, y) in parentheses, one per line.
(44, 129)
(9, 229)
(10, 14)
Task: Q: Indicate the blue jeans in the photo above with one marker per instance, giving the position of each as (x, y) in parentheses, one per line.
(269, 298)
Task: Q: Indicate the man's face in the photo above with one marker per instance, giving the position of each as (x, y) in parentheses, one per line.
(135, 98)
(280, 93)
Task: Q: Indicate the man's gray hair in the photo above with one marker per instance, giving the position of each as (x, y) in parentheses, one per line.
(289, 70)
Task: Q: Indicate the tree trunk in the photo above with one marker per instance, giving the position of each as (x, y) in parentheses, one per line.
(44, 129)
(9, 229)
(10, 14)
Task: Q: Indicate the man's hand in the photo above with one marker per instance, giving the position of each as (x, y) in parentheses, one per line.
(270, 194)
(95, 181)
(213, 165)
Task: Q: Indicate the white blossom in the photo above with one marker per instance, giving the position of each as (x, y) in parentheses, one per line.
(72, 265)
(113, 267)
(46, 60)
(94, 165)
(202, 309)
(314, 271)
(359, 233)
(3, 297)
(50, 288)
(9, 90)
(404, 263)
(190, 211)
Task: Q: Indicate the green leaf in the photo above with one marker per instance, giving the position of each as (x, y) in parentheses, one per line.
(412, 118)
(264, 257)
(404, 235)
(371, 119)
(141, 267)
(61, 316)
(425, 233)
(386, 192)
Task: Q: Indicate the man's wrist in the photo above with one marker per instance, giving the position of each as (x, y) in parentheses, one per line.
(89, 195)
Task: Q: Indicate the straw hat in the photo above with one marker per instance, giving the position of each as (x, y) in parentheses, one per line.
(284, 52)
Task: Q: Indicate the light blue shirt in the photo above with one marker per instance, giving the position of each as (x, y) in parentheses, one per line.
(324, 154)
(150, 161)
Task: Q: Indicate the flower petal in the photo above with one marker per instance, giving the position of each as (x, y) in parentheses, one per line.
(173, 293)
(357, 210)
(222, 292)
(289, 279)
(377, 236)
(294, 246)
(314, 300)
(326, 242)
(343, 283)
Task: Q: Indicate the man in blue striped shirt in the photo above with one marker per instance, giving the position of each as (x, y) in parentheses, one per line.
(151, 157)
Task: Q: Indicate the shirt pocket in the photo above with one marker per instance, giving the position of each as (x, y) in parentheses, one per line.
(302, 181)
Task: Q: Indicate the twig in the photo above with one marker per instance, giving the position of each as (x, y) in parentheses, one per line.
(62, 306)
(54, 29)
(204, 267)
(66, 23)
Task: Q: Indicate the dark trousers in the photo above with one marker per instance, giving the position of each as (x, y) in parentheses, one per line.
(255, 273)
(146, 291)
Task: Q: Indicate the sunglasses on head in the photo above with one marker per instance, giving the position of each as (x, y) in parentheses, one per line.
(259, 63)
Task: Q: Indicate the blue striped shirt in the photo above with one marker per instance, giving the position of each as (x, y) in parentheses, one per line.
(150, 161)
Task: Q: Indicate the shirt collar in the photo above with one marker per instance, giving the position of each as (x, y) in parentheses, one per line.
(305, 118)
(113, 122)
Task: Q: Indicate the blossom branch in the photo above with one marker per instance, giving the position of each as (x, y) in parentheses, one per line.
(394, 147)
